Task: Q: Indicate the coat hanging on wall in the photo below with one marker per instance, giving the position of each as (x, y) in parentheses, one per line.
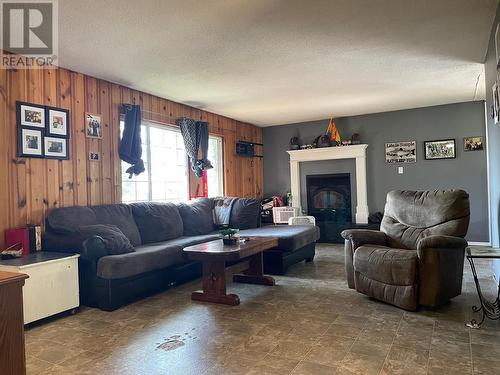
(130, 146)
(195, 135)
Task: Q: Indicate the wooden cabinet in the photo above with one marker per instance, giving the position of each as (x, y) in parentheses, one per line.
(12, 355)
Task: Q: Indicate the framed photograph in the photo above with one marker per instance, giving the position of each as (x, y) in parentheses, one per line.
(440, 149)
(56, 148)
(94, 156)
(31, 115)
(58, 122)
(496, 103)
(401, 152)
(93, 125)
(473, 144)
(29, 143)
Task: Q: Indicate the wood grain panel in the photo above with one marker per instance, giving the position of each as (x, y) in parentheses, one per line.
(51, 166)
(67, 197)
(34, 186)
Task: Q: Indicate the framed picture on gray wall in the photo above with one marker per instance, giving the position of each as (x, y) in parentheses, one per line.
(401, 152)
(473, 143)
(440, 149)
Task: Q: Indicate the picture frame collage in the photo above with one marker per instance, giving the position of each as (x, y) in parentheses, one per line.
(42, 131)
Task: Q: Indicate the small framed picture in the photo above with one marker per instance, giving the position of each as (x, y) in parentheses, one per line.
(440, 149)
(58, 122)
(94, 156)
(31, 115)
(56, 148)
(473, 144)
(29, 143)
(93, 125)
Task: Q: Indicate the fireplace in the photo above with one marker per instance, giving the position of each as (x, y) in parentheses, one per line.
(332, 205)
(329, 198)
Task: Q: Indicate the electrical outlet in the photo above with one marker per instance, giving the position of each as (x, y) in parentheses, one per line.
(401, 170)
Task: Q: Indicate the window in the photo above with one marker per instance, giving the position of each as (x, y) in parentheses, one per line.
(166, 164)
(215, 175)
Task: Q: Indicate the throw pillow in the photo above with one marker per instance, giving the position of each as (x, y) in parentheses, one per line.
(114, 239)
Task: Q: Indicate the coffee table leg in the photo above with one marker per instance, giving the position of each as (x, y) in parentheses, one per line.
(255, 273)
(214, 285)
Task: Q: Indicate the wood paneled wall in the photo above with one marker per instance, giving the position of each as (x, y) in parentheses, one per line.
(30, 187)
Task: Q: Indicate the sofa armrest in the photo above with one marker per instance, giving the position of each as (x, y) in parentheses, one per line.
(441, 242)
(93, 248)
(359, 237)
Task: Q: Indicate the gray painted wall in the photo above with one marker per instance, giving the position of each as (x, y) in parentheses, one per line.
(493, 142)
(467, 171)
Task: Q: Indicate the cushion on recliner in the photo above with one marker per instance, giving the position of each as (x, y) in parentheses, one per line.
(197, 216)
(66, 220)
(290, 237)
(386, 265)
(121, 216)
(245, 213)
(387, 274)
(114, 239)
(410, 216)
(157, 221)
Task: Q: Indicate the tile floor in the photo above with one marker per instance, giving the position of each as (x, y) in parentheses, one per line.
(309, 323)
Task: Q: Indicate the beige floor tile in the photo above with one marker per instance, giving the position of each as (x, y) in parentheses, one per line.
(392, 367)
(309, 368)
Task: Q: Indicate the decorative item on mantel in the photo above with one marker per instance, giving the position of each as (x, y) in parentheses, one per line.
(333, 132)
(322, 141)
(294, 143)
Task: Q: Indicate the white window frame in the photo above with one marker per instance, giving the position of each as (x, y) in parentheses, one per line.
(148, 124)
(219, 163)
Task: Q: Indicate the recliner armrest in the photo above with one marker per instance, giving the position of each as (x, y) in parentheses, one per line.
(360, 237)
(443, 242)
(94, 248)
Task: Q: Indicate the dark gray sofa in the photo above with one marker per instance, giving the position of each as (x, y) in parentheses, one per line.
(157, 233)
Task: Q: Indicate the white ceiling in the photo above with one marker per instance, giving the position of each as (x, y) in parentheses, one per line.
(272, 62)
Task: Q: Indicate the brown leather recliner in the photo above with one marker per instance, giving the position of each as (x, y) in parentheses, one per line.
(417, 257)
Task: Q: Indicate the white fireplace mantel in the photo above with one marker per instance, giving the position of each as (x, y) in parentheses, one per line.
(357, 152)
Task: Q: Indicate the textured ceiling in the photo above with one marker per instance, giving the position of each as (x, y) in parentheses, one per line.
(271, 62)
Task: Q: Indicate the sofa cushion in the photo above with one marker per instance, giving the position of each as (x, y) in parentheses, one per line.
(387, 265)
(149, 257)
(245, 213)
(114, 239)
(66, 220)
(157, 221)
(121, 216)
(197, 217)
(290, 237)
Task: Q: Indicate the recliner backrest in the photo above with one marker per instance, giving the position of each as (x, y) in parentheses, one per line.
(410, 216)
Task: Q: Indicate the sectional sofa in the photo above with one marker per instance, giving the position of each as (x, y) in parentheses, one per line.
(132, 250)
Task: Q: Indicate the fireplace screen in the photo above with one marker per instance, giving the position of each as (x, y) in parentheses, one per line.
(329, 197)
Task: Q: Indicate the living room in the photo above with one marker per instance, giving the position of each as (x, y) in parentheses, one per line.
(250, 187)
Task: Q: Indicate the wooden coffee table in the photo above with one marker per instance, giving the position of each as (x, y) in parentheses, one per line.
(217, 258)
